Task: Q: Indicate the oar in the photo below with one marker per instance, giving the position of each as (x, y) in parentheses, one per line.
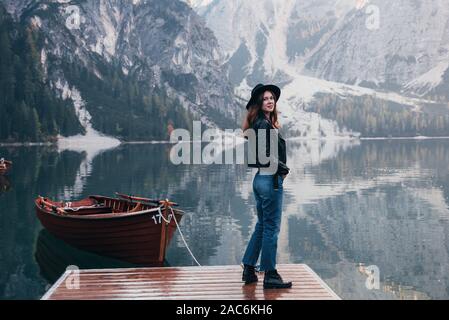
(125, 196)
(55, 208)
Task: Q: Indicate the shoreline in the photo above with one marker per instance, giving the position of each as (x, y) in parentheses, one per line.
(48, 144)
(405, 138)
(27, 144)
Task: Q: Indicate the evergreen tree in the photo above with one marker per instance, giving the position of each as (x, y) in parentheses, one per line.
(28, 110)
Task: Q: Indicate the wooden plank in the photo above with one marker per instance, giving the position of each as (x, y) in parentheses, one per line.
(189, 283)
(57, 285)
(154, 293)
(281, 267)
(196, 296)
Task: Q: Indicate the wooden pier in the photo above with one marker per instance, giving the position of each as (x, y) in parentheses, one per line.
(186, 283)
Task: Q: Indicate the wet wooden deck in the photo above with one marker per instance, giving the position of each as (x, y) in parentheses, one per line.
(186, 283)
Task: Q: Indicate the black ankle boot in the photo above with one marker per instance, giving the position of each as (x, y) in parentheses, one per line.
(249, 274)
(273, 280)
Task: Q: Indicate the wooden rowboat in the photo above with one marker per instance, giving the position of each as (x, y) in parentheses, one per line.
(132, 229)
(5, 165)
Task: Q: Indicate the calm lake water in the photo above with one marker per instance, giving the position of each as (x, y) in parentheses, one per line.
(377, 203)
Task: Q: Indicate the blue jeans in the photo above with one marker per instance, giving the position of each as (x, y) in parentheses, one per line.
(265, 235)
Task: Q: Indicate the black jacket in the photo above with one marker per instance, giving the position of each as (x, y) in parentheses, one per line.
(262, 122)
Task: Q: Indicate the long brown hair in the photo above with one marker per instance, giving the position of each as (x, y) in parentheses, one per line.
(255, 110)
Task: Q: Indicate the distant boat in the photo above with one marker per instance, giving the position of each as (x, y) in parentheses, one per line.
(132, 229)
(5, 165)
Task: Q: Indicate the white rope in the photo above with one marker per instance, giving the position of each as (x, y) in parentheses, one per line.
(182, 237)
(76, 208)
(68, 206)
(162, 216)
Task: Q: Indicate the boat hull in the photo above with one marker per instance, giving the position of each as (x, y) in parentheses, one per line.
(136, 238)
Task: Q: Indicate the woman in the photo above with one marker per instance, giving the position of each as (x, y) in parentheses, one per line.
(267, 187)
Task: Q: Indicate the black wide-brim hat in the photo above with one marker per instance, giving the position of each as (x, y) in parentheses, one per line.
(258, 89)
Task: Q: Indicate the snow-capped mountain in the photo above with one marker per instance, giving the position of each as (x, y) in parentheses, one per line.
(399, 49)
(407, 47)
(198, 3)
(397, 43)
(161, 44)
(258, 49)
(210, 59)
